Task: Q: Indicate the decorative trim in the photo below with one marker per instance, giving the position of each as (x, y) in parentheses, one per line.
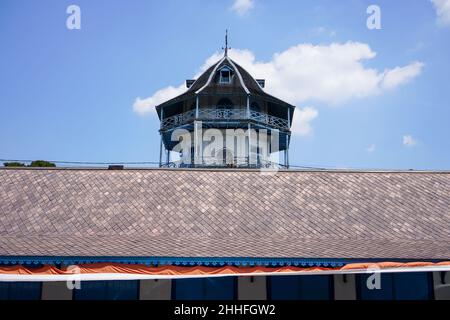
(239, 75)
(189, 261)
(211, 75)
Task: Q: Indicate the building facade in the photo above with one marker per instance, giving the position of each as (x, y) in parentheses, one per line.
(223, 234)
(394, 286)
(211, 225)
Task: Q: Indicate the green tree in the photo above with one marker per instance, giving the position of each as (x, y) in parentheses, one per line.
(13, 164)
(41, 163)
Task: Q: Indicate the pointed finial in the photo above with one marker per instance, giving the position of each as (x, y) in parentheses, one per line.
(226, 43)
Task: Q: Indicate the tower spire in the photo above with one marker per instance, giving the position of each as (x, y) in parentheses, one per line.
(226, 43)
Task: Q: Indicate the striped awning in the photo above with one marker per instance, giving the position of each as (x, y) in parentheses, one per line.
(102, 271)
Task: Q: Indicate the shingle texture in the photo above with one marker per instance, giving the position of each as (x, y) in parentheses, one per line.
(206, 213)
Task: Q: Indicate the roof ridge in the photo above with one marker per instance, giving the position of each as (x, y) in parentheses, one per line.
(252, 77)
(211, 75)
(239, 75)
(227, 170)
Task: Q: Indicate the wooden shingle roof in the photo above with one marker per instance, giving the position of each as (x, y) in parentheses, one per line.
(225, 213)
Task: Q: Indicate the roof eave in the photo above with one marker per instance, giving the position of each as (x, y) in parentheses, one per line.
(200, 261)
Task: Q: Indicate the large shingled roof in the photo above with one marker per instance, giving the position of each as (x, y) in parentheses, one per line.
(224, 213)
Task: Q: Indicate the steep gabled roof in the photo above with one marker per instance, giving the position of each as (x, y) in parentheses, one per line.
(225, 213)
(243, 83)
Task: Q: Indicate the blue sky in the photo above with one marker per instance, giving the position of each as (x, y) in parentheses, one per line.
(69, 94)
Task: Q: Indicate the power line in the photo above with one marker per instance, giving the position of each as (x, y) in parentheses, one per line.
(156, 163)
(133, 163)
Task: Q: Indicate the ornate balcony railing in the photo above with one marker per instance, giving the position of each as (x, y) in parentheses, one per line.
(178, 120)
(224, 114)
(236, 164)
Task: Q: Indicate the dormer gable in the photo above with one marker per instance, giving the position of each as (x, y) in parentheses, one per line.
(225, 74)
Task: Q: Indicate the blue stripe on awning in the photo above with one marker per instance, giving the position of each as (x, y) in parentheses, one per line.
(192, 261)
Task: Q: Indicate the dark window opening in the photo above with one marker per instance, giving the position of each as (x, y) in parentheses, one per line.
(108, 290)
(316, 287)
(20, 290)
(205, 289)
(255, 107)
(225, 103)
(396, 286)
(225, 75)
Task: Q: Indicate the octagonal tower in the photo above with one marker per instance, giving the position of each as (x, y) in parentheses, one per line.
(229, 100)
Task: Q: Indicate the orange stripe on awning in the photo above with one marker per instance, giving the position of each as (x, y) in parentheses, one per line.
(115, 268)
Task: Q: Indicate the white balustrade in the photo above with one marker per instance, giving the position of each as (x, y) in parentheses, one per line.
(221, 113)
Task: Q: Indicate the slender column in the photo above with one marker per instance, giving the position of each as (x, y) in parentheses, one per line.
(285, 157)
(248, 106)
(258, 150)
(196, 133)
(161, 139)
(198, 143)
(196, 160)
(195, 143)
(249, 134)
(196, 107)
(287, 151)
(289, 118)
(160, 149)
(287, 139)
(168, 157)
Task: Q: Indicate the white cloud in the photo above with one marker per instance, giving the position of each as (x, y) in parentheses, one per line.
(401, 75)
(143, 106)
(409, 141)
(443, 11)
(241, 7)
(301, 123)
(147, 105)
(333, 74)
(371, 148)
